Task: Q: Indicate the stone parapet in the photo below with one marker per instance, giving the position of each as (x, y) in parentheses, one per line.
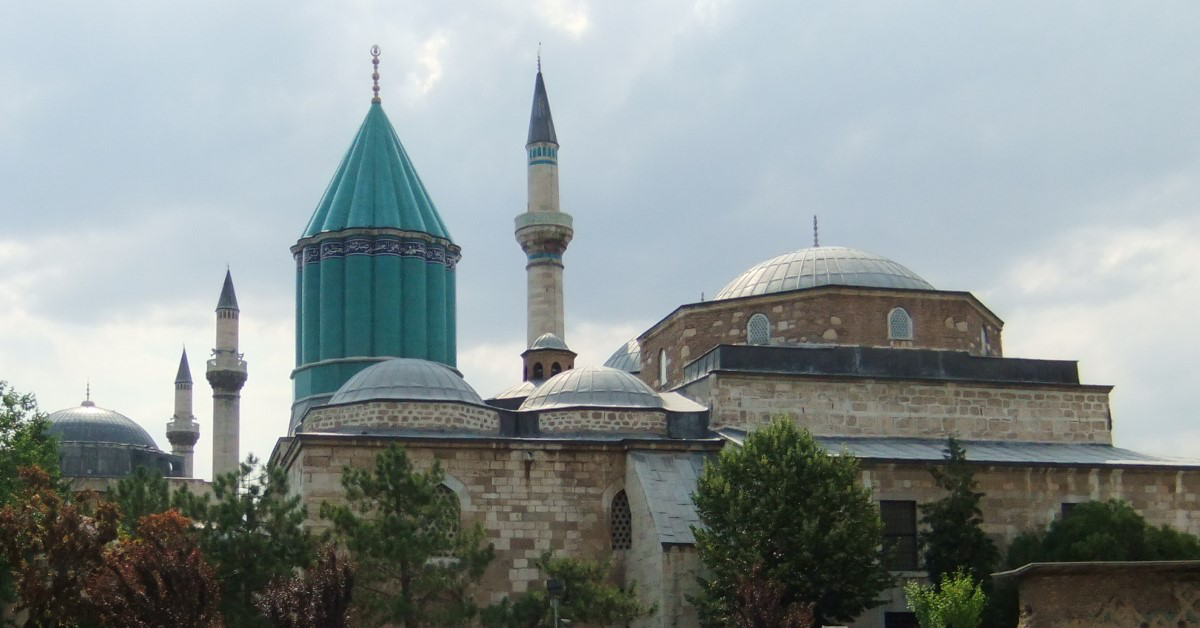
(601, 420)
(403, 414)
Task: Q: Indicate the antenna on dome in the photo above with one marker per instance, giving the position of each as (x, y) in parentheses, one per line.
(816, 240)
(375, 73)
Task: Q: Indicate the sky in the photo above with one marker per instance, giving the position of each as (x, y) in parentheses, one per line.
(1043, 156)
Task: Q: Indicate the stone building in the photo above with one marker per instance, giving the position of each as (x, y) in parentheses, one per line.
(602, 460)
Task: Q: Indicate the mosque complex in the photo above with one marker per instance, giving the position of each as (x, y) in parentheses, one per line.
(601, 461)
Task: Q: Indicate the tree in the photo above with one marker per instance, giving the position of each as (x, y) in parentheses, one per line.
(319, 597)
(957, 602)
(157, 579)
(587, 598)
(250, 530)
(53, 547)
(761, 605)
(398, 527)
(781, 502)
(953, 538)
(143, 492)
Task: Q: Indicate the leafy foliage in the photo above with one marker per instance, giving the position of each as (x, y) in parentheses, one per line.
(319, 597)
(587, 598)
(953, 539)
(957, 602)
(250, 529)
(159, 578)
(760, 605)
(53, 547)
(1110, 530)
(141, 493)
(781, 502)
(400, 529)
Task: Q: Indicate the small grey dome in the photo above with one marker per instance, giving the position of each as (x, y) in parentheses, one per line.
(822, 266)
(524, 389)
(89, 423)
(549, 341)
(406, 379)
(628, 358)
(593, 386)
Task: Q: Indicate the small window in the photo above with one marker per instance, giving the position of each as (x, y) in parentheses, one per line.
(1065, 509)
(538, 371)
(452, 515)
(555, 369)
(621, 522)
(900, 325)
(758, 330)
(900, 533)
(662, 367)
(900, 620)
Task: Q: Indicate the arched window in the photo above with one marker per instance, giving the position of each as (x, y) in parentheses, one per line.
(758, 330)
(900, 325)
(662, 367)
(451, 519)
(538, 371)
(555, 369)
(621, 522)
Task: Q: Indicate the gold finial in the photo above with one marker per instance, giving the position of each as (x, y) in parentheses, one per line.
(375, 73)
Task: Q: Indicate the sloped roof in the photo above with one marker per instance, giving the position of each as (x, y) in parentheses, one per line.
(668, 479)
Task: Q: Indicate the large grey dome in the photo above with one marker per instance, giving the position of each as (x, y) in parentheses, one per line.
(88, 423)
(628, 358)
(822, 266)
(406, 379)
(593, 386)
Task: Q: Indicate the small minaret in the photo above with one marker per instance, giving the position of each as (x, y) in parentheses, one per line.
(226, 375)
(543, 231)
(182, 430)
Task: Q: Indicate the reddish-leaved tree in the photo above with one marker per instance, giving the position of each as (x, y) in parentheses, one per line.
(318, 597)
(760, 604)
(160, 578)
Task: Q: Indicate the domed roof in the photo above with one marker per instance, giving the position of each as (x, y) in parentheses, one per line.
(628, 358)
(89, 423)
(406, 379)
(593, 386)
(549, 341)
(517, 391)
(822, 266)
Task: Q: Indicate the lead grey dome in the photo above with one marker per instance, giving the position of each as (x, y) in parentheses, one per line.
(89, 423)
(628, 358)
(549, 341)
(822, 266)
(406, 379)
(593, 386)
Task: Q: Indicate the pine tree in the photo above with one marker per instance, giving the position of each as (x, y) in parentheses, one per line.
(143, 492)
(399, 527)
(953, 537)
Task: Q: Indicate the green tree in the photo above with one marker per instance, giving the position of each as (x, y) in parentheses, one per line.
(957, 602)
(953, 539)
(781, 502)
(250, 530)
(143, 492)
(400, 529)
(587, 598)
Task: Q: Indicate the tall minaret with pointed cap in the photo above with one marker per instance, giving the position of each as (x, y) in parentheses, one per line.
(226, 375)
(182, 430)
(543, 231)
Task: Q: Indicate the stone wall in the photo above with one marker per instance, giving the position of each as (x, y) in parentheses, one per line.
(601, 420)
(1113, 595)
(867, 407)
(830, 315)
(403, 414)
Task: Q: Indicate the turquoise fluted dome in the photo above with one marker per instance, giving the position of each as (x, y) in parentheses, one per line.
(374, 268)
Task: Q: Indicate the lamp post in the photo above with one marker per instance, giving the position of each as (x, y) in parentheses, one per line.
(555, 589)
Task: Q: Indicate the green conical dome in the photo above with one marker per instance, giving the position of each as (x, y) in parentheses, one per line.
(374, 269)
(376, 186)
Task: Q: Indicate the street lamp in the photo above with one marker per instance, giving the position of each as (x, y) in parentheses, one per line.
(555, 589)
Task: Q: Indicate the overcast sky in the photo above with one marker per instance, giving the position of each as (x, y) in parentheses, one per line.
(1043, 155)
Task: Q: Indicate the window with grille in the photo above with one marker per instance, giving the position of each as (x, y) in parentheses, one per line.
(900, 533)
(900, 325)
(621, 522)
(451, 519)
(758, 329)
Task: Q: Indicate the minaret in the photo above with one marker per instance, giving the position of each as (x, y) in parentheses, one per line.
(182, 430)
(227, 375)
(543, 231)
